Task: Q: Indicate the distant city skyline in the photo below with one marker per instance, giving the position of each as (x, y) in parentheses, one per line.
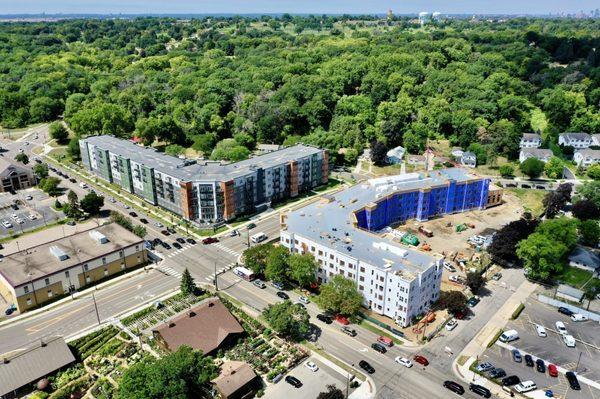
(295, 6)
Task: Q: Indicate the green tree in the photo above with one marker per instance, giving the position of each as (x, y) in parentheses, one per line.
(453, 301)
(174, 149)
(506, 171)
(122, 220)
(139, 231)
(41, 170)
(92, 203)
(287, 319)
(74, 150)
(59, 133)
(585, 210)
(50, 186)
(594, 171)
(475, 281)
(205, 143)
(277, 264)
(303, 269)
(590, 232)
(480, 152)
(378, 153)
(554, 168)
(102, 118)
(563, 230)
(332, 393)
(532, 167)
(22, 157)
(542, 255)
(340, 295)
(229, 150)
(178, 375)
(590, 190)
(256, 258)
(188, 286)
(72, 208)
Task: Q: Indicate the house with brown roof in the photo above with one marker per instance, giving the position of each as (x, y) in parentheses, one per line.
(205, 327)
(237, 380)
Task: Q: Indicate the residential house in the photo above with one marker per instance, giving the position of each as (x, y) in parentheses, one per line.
(14, 176)
(575, 140)
(468, 159)
(584, 258)
(596, 140)
(542, 154)
(586, 157)
(237, 380)
(530, 140)
(205, 327)
(395, 155)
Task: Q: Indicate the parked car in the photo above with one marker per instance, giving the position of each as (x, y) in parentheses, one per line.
(496, 276)
(510, 380)
(473, 301)
(526, 386)
(552, 370)
(366, 366)
(378, 347)
(540, 366)
(565, 311)
(421, 360)
(451, 325)
(480, 390)
(403, 361)
(342, 320)
(10, 310)
(233, 233)
(112, 201)
(70, 223)
(311, 366)
(578, 317)
(569, 340)
(165, 233)
(293, 381)
(285, 296)
(191, 241)
(541, 331)
(454, 387)
(350, 331)
(251, 226)
(180, 240)
(483, 367)
(166, 245)
(209, 240)
(159, 225)
(573, 381)
(516, 355)
(448, 266)
(383, 340)
(259, 283)
(7, 224)
(528, 360)
(29, 198)
(176, 245)
(454, 279)
(560, 327)
(497, 373)
(304, 300)
(278, 285)
(144, 220)
(325, 318)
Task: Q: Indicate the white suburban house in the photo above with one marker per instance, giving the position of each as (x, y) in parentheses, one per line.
(542, 154)
(584, 259)
(468, 159)
(530, 140)
(395, 155)
(586, 157)
(575, 140)
(596, 140)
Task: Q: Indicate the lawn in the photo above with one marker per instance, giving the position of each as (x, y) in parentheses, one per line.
(578, 278)
(530, 199)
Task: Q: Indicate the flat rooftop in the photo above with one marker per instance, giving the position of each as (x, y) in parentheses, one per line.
(330, 221)
(42, 260)
(189, 170)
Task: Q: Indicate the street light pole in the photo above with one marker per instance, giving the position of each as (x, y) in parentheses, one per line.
(348, 382)
(96, 308)
(216, 277)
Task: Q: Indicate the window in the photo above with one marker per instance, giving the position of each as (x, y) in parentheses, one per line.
(121, 253)
(330, 256)
(106, 272)
(67, 274)
(361, 278)
(137, 248)
(26, 289)
(88, 279)
(139, 259)
(47, 281)
(28, 301)
(104, 260)
(122, 266)
(361, 288)
(362, 269)
(85, 267)
(50, 294)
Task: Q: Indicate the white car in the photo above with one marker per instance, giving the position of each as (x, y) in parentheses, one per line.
(233, 233)
(7, 224)
(112, 200)
(578, 317)
(304, 300)
(541, 331)
(31, 216)
(454, 279)
(29, 198)
(14, 216)
(158, 224)
(526, 386)
(451, 325)
(311, 366)
(125, 206)
(19, 220)
(403, 361)
(83, 185)
(560, 327)
(448, 266)
(569, 340)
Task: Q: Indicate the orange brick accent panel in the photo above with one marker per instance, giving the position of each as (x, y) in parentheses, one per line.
(228, 199)
(293, 178)
(186, 203)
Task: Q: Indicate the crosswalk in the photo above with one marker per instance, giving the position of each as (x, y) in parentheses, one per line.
(170, 271)
(178, 251)
(222, 270)
(227, 249)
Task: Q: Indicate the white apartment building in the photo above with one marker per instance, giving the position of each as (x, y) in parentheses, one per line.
(530, 140)
(575, 140)
(586, 157)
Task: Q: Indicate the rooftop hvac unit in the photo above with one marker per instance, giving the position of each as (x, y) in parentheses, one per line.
(58, 253)
(98, 237)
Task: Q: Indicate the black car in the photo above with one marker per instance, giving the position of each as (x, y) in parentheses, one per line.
(166, 245)
(180, 240)
(133, 214)
(366, 366)
(528, 360)
(325, 318)
(293, 381)
(378, 347)
(565, 311)
(480, 390)
(143, 220)
(171, 230)
(165, 232)
(573, 382)
(191, 241)
(283, 295)
(454, 387)
(251, 226)
(497, 373)
(157, 241)
(72, 180)
(510, 380)
(177, 245)
(540, 366)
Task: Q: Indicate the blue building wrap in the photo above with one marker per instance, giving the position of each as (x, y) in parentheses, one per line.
(424, 203)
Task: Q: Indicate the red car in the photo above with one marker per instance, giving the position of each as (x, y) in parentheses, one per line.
(421, 360)
(210, 240)
(342, 320)
(552, 370)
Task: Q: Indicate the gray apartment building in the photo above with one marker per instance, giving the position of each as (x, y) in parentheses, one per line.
(205, 191)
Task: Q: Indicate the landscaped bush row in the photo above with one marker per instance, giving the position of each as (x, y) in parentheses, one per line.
(84, 347)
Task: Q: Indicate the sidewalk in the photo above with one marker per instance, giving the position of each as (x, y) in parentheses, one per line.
(364, 391)
(478, 345)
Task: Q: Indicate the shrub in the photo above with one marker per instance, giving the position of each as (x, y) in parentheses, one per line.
(517, 311)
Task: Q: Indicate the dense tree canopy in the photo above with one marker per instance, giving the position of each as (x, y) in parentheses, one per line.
(340, 295)
(288, 319)
(332, 81)
(504, 243)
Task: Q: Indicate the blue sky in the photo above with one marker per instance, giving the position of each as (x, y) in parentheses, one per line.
(295, 6)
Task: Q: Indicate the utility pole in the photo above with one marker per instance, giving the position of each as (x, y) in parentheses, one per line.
(96, 308)
(578, 360)
(348, 382)
(216, 277)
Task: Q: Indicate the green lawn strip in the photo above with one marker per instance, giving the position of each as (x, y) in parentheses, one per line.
(373, 328)
(336, 361)
(574, 276)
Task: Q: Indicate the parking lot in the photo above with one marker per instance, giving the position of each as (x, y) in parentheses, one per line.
(312, 382)
(584, 358)
(33, 211)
